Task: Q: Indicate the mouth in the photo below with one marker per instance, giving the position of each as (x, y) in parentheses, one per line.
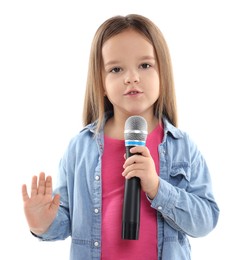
(132, 93)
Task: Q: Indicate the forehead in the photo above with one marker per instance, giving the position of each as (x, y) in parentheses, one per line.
(127, 41)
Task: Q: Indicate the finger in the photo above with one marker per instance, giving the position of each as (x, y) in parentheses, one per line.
(133, 159)
(56, 202)
(134, 173)
(41, 189)
(133, 170)
(143, 150)
(25, 195)
(48, 188)
(34, 186)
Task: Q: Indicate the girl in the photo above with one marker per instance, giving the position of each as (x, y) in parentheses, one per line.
(130, 73)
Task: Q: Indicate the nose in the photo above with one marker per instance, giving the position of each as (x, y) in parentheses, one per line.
(131, 78)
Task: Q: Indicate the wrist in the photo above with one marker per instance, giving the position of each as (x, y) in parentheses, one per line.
(37, 232)
(152, 194)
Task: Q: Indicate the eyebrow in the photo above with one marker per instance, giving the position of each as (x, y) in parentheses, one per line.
(111, 63)
(146, 57)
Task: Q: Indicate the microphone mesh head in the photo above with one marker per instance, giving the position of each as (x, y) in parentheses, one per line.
(135, 128)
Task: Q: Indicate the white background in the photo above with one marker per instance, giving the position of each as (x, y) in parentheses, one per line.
(44, 49)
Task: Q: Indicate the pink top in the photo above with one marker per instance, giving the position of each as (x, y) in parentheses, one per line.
(113, 247)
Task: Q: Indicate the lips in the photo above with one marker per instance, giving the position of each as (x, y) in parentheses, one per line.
(132, 92)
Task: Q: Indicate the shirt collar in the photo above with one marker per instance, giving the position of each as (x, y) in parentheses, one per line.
(168, 127)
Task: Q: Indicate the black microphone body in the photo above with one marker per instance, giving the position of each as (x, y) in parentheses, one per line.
(135, 135)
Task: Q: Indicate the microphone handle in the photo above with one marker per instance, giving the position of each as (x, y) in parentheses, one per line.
(131, 206)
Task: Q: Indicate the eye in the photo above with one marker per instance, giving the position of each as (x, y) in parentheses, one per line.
(115, 70)
(145, 66)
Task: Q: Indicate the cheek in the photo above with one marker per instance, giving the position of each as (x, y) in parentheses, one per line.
(155, 93)
(112, 85)
(107, 85)
(104, 82)
(155, 84)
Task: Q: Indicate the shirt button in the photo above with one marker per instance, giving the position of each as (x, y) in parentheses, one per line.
(159, 208)
(97, 177)
(96, 211)
(96, 243)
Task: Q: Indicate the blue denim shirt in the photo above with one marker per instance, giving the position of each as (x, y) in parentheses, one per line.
(184, 203)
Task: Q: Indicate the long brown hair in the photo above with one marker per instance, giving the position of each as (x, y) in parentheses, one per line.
(95, 102)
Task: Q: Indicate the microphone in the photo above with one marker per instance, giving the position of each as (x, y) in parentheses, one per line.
(135, 134)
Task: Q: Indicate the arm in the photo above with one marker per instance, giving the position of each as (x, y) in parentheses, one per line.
(190, 209)
(190, 206)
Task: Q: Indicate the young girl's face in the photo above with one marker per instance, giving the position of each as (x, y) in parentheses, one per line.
(131, 78)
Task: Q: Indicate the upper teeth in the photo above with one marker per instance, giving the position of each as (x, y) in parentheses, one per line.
(133, 92)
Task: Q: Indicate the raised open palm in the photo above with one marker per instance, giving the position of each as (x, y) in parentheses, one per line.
(40, 206)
